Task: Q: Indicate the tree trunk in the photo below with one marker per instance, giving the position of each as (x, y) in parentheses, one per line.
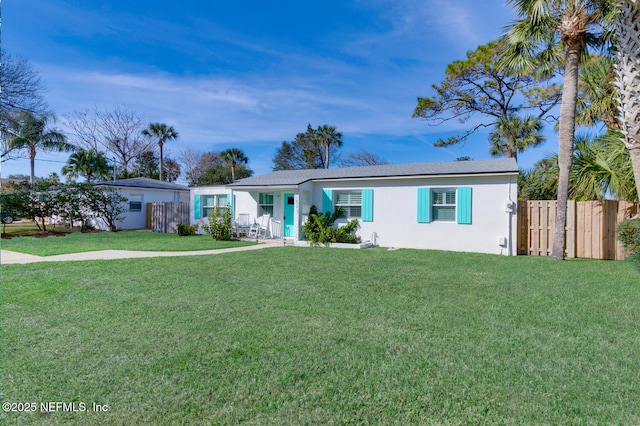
(233, 171)
(634, 152)
(32, 163)
(160, 146)
(627, 67)
(326, 163)
(566, 138)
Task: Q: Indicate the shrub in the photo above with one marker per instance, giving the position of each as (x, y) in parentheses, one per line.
(318, 229)
(219, 226)
(629, 235)
(185, 230)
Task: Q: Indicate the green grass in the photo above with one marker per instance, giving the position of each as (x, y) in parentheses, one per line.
(319, 336)
(123, 240)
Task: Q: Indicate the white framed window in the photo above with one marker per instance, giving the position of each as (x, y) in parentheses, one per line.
(265, 203)
(135, 203)
(444, 205)
(351, 203)
(210, 202)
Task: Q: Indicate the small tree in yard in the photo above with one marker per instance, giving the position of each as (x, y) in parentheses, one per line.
(318, 229)
(107, 205)
(219, 226)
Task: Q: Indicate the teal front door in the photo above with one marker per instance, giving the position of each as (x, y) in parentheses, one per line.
(288, 215)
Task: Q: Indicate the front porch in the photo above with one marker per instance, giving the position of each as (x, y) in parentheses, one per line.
(280, 205)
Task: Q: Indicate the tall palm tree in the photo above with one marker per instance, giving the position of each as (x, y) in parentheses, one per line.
(513, 134)
(234, 156)
(163, 133)
(560, 31)
(627, 67)
(34, 135)
(88, 163)
(327, 136)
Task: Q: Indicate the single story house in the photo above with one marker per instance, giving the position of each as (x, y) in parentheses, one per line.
(139, 192)
(459, 206)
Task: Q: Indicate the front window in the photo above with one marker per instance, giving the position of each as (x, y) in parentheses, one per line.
(351, 203)
(444, 205)
(265, 204)
(210, 202)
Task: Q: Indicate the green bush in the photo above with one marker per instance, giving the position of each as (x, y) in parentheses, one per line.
(629, 235)
(318, 229)
(185, 230)
(219, 226)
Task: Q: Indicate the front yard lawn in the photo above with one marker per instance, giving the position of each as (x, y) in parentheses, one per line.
(78, 242)
(319, 336)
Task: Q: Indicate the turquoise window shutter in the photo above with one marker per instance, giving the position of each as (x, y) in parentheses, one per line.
(464, 205)
(233, 205)
(327, 201)
(367, 205)
(424, 205)
(196, 206)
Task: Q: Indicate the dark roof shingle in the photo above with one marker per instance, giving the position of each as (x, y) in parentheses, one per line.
(297, 177)
(142, 182)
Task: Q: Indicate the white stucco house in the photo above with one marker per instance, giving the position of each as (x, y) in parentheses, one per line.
(140, 191)
(459, 206)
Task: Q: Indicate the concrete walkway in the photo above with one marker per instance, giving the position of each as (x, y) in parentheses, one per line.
(14, 258)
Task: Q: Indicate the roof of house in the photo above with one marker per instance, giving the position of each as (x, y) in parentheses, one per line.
(297, 177)
(147, 183)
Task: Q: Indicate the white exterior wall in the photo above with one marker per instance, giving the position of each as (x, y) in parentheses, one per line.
(395, 205)
(138, 220)
(244, 202)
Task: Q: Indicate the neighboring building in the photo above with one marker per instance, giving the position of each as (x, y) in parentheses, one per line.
(141, 191)
(458, 206)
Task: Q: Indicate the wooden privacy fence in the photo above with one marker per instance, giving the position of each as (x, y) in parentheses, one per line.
(590, 230)
(165, 217)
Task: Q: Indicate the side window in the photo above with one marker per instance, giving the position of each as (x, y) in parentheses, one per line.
(351, 203)
(135, 203)
(444, 205)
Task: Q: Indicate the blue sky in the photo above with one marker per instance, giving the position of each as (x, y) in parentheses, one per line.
(252, 74)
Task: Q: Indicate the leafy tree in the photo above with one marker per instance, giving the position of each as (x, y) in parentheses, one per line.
(162, 133)
(87, 163)
(308, 150)
(550, 33)
(597, 95)
(145, 165)
(627, 70)
(22, 91)
(361, 158)
(117, 133)
(172, 170)
(35, 135)
(194, 163)
(514, 134)
(327, 137)
(234, 157)
(601, 168)
(478, 86)
(108, 205)
(221, 175)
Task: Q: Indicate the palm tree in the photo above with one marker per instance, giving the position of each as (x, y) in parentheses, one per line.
(33, 135)
(88, 163)
(234, 156)
(163, 133)
(327, 136)
(627, 67)
(513, 134)
(559, 32)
